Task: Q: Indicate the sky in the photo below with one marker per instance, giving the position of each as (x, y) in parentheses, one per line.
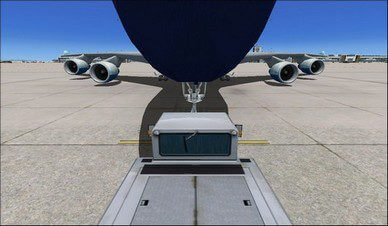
(43, 30)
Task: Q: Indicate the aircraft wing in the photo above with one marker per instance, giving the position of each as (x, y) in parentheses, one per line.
(284, 71)
(104, 67)
(89, 57)
(138, 57)
(269, 58)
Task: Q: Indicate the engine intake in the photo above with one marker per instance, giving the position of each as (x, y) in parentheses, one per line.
(312, 66)
(76, 66)
(284, 72)
(103, 72)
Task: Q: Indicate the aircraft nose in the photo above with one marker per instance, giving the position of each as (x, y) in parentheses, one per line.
(195, 34)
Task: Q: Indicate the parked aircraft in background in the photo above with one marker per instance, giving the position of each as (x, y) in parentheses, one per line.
(104, 67)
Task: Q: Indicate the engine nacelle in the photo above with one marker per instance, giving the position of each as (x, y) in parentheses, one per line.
(103, 72)
(75, 66)
(284, 72)
(312, 66)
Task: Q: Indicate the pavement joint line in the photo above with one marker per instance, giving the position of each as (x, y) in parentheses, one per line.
(358, 80)
(351, 164)
(332, 152)
(38, 97)
(116, 144)
(45, 124)
(33, 72)
(32, 107)
(30, 80)
(26, 93)
(8, 106)
(81, 109)
(292, 125)
(334, 101)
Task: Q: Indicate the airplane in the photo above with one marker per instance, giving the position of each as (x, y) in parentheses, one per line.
(104, 67)
(187, 46)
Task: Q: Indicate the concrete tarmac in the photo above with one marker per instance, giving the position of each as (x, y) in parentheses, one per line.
(61, 162)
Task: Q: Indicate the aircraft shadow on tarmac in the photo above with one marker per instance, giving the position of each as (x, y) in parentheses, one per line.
(170, 99)
(81, 77)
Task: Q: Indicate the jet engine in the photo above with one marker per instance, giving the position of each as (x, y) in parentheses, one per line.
(76, 66)
(284, 72)
(312, 66)
(103, 72)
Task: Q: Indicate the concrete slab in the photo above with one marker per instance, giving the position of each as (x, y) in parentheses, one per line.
(18, 121)
(60, 184)
(234, 102)
(315, 186)
(29, 68)
(98, 89)
(294, 100)
(362, 76)
(13, 98)
(88, 126)
(62, 164)
(261, 124)
(324, 84)
(130, 100)
(372, 160)
(379, 111)
(65, 100)
(35, 87)
(16, 77)
(359, 100)
(261, 84)
(337, 125)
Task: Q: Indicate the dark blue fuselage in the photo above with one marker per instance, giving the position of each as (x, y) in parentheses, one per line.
(194, 40)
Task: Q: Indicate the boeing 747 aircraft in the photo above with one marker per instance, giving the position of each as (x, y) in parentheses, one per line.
(185, 41)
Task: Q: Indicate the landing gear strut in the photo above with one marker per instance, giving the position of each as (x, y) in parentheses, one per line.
(194, 93)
